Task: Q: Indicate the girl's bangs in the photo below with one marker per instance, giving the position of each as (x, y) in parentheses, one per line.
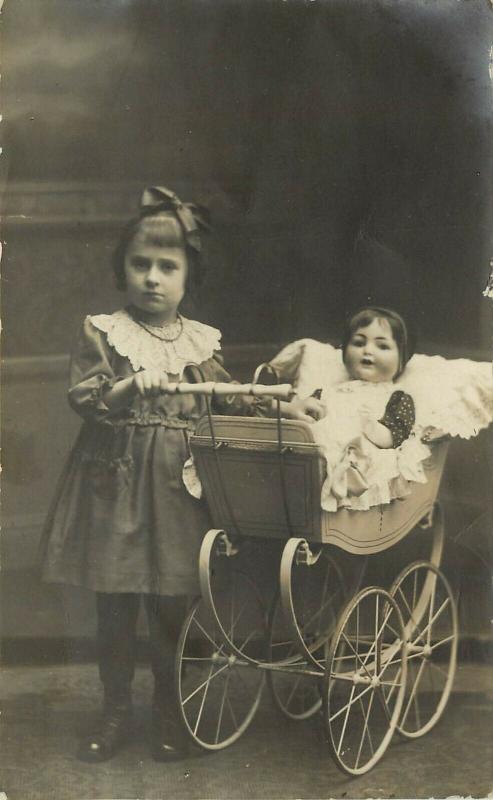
(160, 231)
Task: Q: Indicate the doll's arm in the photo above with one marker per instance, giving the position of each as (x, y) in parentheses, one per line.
(399, 418)
(377, 433)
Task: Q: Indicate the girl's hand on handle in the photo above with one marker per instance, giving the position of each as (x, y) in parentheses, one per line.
(147, 383)
(150, 383)
(308, 410)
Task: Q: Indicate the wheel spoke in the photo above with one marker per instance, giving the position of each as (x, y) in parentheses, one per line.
(205, 683)
(393, 685)
(317, 613)
(248, 639)
(351, 700)
(378, 635)
(348, 707)
(411, 611)
(221, 709)
(293, 690)
(231, 711)
(201, 709)
(206, 634)
(438, 668)
(365, 728)
(357, 655)
(195, 658)
(442, 641)
(391, 628)
(413, 693)
(432, 604)
(427, 629)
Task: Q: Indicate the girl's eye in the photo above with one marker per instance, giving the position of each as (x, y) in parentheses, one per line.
(139, 263)
(358, 342)
(384, 347)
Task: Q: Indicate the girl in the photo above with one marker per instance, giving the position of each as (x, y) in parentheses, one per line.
(366, 432)
(122, 522)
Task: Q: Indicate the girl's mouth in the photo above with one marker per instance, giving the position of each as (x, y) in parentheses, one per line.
(367, 362)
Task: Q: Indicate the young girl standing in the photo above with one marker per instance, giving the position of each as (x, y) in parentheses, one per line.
(122, 522)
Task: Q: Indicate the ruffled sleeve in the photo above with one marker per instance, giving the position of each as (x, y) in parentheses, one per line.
(91, 373)
(399, 417)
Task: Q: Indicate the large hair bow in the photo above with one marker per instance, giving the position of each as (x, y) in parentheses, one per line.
(190, 216)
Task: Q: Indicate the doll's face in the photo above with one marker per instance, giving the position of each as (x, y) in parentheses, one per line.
(372, 353)
(155, 277)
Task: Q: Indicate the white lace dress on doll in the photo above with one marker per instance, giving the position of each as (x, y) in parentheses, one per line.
(454, 396)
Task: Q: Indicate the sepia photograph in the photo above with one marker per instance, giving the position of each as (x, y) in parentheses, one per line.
(247, 399)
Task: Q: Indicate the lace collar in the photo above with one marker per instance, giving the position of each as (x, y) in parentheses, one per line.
(196, 343)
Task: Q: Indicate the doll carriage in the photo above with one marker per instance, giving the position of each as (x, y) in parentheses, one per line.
(372, 660)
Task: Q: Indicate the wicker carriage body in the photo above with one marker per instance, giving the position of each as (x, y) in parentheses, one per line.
(249, 493)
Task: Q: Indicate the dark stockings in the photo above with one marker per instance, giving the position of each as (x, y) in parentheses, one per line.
(117, 622)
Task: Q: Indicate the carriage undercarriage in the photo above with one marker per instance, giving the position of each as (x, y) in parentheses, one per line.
(369, 660)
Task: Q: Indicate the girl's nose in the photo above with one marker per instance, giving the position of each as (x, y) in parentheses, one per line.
(152, 277)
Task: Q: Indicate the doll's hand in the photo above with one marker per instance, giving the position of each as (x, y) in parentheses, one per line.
(309, 409)
(150, 382)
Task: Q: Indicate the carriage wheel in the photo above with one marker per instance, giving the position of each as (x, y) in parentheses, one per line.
(219, 580)
(425, 599)
(313, 592)
(297, 695)
(218, 692)
(365, 680)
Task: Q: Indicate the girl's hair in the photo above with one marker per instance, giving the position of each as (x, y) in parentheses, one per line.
(365, 316)
(165, 221)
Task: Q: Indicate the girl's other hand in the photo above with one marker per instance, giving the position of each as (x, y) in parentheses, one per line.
(309, 409)
(150, 383)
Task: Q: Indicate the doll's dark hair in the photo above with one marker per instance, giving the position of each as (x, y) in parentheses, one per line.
(165, 221)
(365, 316)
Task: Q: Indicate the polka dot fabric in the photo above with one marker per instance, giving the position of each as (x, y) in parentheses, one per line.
(399, 417)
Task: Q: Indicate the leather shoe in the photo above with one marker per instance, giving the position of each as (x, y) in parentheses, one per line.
(169, 740)
(113, 733)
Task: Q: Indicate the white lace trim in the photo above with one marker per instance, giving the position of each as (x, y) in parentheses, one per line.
(196, 344)
(454, 395)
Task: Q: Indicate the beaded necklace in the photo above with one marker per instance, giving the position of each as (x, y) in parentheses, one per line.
(169, 332)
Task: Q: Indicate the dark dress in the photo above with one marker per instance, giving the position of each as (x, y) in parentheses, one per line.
(122, 520)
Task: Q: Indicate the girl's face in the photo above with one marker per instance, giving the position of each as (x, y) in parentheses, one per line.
(155, 276)
(372, 353)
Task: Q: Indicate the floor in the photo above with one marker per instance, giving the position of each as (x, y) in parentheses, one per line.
(45, 708)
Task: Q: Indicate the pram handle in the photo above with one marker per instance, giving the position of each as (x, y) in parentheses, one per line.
(282, 391)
